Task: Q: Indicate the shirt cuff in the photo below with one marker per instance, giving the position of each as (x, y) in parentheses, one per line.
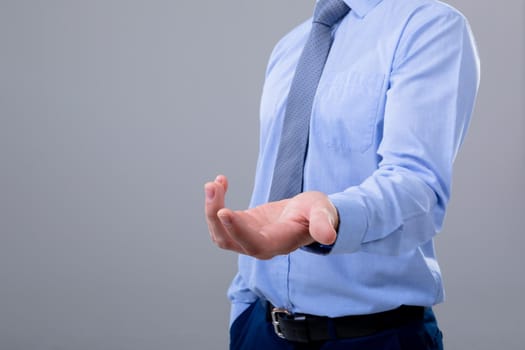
(353, 223)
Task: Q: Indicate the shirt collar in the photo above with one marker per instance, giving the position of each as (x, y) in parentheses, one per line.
(361, 7)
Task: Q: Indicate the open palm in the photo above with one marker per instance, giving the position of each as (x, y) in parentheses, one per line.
(271, 229)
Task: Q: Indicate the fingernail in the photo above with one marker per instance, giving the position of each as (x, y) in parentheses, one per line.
(210, 192)
(330, 218)
(327, 213)
(225, 220)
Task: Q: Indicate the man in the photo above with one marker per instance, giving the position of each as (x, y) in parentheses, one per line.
(347, 261)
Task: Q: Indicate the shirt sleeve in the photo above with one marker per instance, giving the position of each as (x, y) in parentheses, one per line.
(431, 93)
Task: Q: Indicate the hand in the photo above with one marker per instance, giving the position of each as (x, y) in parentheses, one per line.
(271, 229)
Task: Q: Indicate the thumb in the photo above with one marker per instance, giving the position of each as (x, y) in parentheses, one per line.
(323, 222)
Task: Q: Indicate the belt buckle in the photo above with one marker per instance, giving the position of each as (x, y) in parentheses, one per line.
(275, 320)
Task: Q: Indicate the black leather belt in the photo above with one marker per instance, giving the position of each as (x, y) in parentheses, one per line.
(309, 328)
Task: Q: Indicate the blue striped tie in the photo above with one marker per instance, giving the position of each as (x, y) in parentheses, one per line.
(288, 172)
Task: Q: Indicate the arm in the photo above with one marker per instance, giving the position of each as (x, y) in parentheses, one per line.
(402, 204)
(432, 89)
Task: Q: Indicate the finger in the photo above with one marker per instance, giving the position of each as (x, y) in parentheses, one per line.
(223, 181)
(214, 201)
(212, 204)
(323, 220)
(215, 195)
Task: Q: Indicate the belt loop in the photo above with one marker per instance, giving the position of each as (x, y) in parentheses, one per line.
(268, 307)
(332, 332)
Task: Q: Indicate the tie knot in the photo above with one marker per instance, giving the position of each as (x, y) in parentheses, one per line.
(329, 12)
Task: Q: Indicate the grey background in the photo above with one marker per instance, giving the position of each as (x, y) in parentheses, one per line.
(113, 114)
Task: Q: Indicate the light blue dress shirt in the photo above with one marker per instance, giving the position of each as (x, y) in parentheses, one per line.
(389, 116)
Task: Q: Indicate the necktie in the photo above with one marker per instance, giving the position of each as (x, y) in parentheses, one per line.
(288, 172)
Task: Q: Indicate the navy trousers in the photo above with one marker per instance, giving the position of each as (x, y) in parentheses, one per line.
(252, 331)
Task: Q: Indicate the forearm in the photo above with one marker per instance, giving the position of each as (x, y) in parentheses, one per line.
(430, 98)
